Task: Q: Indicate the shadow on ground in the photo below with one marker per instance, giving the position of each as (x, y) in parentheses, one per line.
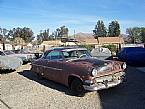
(129, 95)
(6, 71)
(48, 83)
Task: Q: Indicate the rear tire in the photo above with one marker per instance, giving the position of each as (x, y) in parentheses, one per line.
(77, 88)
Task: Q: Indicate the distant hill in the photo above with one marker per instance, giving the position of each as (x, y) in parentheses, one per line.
(84, 35)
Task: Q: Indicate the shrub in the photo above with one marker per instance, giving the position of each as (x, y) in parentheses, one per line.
(88, 47)
(112, 48)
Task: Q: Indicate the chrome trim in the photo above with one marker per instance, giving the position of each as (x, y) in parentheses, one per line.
(102, 86)
(88, 81)
(47, 67)
(105, 82)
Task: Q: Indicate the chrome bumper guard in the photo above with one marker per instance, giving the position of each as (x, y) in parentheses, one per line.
(104, 82)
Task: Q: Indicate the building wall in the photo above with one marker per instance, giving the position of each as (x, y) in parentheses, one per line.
(7, 47)
(132, 45)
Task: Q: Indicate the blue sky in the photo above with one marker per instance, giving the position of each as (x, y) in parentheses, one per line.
(80, 15)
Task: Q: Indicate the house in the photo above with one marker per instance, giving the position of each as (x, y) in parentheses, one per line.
(19, 43)
(84, 39)
(47, 44)
(54, 43)
(7, 45)
(110, 40)
(29, 45)
(88, 39)
(51, 43)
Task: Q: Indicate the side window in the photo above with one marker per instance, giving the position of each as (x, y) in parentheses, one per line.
(54, 55)
(74, 54)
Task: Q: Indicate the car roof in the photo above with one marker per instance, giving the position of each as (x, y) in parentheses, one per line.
(73, 49)
(67, 48)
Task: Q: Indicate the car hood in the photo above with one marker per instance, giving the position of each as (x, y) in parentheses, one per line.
(92, 62)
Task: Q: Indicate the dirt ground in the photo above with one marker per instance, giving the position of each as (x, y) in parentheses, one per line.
(21, 89)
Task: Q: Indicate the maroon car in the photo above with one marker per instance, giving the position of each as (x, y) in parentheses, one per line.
(77, 69)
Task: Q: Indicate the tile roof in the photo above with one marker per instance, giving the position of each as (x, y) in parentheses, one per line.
(89, 39)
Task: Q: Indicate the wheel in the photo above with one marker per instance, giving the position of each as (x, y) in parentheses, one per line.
(77, 88)
(39, 76)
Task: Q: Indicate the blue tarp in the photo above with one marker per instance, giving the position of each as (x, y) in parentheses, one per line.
(133, 56)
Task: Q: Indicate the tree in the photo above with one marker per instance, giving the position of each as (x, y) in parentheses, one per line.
(114, 29)
(25, 33)
(130, 34)
(58, 33)
(3, 36)
(43, 36)
(39, 39)
(111, 47)
(53, 35)
(62, 32)
(143, 35)
(136, 34)
(100, 29)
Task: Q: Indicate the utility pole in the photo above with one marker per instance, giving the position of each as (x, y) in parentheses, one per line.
(74, 34)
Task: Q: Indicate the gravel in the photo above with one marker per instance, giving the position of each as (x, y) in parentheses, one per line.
(22, 90)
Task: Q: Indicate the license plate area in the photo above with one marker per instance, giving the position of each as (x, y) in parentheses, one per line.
(104, 78)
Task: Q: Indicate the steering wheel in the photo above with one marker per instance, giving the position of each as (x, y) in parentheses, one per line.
(83, 55)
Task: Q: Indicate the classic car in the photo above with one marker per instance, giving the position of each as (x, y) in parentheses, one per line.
(10, 63)
(25, 57)
(35, 54)
(132, 56)
(30, 54)
(77, 69)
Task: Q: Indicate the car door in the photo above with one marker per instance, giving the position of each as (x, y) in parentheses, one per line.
(53, 66)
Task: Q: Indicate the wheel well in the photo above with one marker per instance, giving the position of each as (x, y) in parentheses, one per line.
(71, 78)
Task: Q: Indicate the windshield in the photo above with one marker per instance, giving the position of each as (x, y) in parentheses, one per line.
(76, 54)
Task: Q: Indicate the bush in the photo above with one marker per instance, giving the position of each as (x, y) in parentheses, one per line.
(112, 48)
(88, 47)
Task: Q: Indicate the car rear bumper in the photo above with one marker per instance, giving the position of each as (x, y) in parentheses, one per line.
(105, 82)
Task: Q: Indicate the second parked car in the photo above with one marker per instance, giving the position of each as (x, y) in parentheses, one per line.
(25, 57)
(10, 63)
